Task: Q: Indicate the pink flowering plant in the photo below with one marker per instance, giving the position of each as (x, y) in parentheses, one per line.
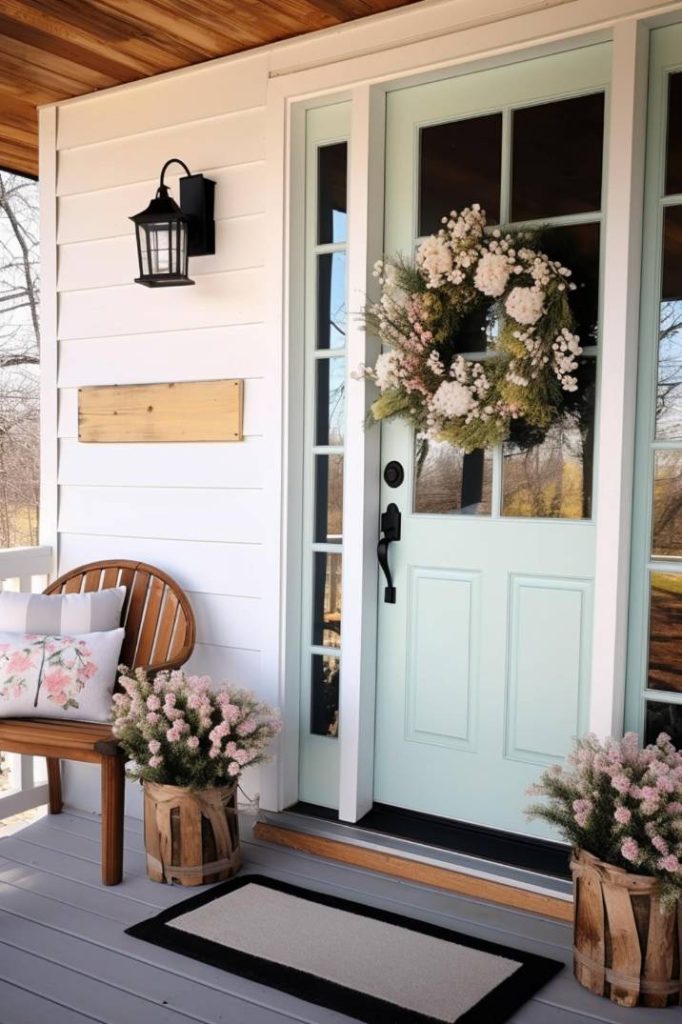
(503, 281)
(179, 730)
(621, 803)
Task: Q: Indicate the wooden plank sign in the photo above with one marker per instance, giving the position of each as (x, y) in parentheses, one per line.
(210, 410)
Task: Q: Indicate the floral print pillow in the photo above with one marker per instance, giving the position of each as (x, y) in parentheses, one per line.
(43, 676)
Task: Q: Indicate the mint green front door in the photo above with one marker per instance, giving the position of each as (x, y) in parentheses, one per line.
(484, 660)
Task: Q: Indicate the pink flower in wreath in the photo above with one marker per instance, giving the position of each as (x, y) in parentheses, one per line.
(669, 863)
(88, 670)
(19, 661)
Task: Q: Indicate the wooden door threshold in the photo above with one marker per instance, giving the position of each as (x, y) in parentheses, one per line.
(472, 885)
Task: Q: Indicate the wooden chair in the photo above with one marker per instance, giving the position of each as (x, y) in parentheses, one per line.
(159, 634)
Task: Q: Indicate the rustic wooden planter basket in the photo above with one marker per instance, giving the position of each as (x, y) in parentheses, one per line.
(626, 944)
(191, 836)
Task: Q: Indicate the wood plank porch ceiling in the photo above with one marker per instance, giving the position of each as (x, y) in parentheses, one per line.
(52, 50)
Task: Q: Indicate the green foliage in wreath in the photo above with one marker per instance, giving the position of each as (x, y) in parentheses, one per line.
(516, 294)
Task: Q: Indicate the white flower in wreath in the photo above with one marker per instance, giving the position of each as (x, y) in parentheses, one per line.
(385, 370)
(492, 274)
(451, 400)
(434, 256)
(525, 305)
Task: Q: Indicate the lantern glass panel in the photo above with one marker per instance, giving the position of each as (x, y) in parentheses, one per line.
(163, 248)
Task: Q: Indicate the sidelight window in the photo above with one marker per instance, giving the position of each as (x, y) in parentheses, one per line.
(326, 216)
(655, 666)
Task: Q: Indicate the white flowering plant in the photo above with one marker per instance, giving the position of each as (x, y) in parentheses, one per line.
(179, 730)
(522, 297)
(621, 803)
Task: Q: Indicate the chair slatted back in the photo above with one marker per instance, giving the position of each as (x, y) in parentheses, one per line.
(158, 619)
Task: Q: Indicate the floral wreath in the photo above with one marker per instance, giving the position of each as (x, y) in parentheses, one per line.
(423, 306)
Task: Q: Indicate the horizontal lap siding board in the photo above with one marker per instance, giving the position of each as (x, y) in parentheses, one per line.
(228, 516)
(99, 214)
(211, 142)
(234, 297)
(217, 353)
(197, 510)
(242, 668)
(240, 243)
(228, 465)
(205, 92)
(236, 570)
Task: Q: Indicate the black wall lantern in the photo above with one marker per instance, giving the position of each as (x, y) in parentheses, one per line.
(167, 234)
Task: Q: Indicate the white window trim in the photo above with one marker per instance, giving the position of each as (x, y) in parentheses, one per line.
(360, 78)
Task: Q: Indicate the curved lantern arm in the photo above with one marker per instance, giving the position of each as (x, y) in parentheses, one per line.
(163, 188)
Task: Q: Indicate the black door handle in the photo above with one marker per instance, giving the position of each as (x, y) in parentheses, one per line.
(390, 527)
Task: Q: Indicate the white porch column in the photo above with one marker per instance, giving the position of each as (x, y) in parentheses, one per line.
(622, 270)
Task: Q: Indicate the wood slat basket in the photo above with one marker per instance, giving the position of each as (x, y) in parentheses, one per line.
(191, 836)
(626, 942)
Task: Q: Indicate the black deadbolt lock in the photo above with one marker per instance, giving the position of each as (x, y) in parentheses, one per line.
(394, 474)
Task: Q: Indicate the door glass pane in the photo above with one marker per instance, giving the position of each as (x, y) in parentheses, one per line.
(328, 498)
(331, 300)
(577, 247)
(667, 515)
(324, 707)
(673, 171)
(331, 380)
(331, 193)
(327, 600)
(662, 717)
(557, 158)
(476, 333)
(669, 390)
(665, 632)
(459, 164)
(553, 478)
(448, 481)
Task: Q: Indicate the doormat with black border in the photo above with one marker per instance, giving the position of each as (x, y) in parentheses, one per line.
(370, 964)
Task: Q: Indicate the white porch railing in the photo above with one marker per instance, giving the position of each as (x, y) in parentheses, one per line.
(25, 570)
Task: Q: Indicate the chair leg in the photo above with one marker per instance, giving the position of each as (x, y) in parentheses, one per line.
(54, 785)
(113, 796)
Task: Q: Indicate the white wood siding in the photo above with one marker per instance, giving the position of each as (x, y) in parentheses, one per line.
(196, 510)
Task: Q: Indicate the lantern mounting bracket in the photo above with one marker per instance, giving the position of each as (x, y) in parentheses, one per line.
(196, 203)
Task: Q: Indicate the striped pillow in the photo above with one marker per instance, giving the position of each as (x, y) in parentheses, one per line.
(60, 614)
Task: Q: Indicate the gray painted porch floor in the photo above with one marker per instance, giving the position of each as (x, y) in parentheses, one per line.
(64, 958)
